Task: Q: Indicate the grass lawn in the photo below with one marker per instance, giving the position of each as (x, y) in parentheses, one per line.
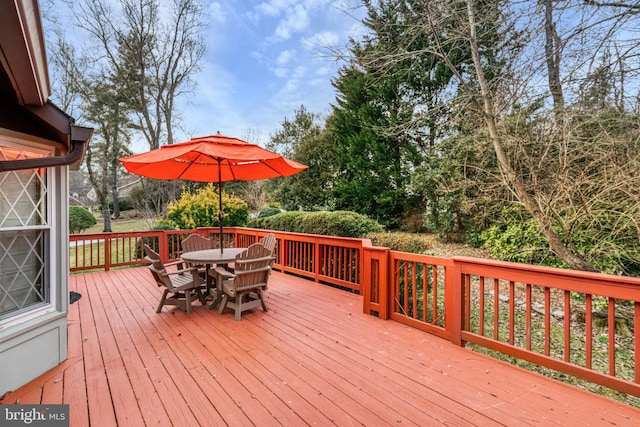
(122, 225)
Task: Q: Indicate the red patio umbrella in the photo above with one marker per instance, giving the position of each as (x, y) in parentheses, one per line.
(215, 158)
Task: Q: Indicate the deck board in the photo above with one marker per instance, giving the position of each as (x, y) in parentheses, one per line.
(313, 359)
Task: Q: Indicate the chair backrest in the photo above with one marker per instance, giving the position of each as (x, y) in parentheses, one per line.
(195, 242)
(157, 267)
(252, 267)
(269, 242)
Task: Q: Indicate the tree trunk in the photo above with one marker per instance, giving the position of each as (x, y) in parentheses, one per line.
(114, 195)
(116, 203)
(512, 180)
(106, 215)
(552, 54)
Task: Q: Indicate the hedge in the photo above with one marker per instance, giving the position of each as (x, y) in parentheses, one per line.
(337, 223)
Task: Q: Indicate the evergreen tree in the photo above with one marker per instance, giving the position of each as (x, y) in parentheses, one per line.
(386, 113)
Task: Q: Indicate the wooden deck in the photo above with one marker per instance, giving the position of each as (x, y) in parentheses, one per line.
(313, 359)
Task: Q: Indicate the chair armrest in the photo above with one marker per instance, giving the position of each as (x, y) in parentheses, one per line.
(169, 264)
(184, 270)
(222, 272)
(252, 260)
(255, 270)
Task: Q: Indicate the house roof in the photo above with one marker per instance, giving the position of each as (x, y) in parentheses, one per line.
(25, 89)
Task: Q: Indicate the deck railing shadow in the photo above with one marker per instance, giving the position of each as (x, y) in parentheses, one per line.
(552, 317)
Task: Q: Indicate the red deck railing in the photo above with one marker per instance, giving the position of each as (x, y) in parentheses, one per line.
(551, 317)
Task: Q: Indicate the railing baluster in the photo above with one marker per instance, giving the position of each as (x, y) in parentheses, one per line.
(405, 301)
(588, 319)
(496, 308)
(512, 311)
(547, 321)
(425, 292)
(528, 314)
(636, 340)
(414, 292)
(481, 306)
(611, 344)
(434, 296)
(567, 326)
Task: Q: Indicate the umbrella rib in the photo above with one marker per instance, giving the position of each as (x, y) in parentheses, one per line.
(184, 170)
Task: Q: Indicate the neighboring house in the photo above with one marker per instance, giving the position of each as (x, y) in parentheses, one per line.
(38, 145)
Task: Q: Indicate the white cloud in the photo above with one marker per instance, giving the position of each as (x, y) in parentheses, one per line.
(286, 56)
(322, 40)
(293, 84)
(281, 72)
(217, 13)
(323, 71)
(274, 7)
(259, 56)
(252, 17)
(296, 20)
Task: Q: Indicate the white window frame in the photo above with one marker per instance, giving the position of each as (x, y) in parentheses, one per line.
(40, 148)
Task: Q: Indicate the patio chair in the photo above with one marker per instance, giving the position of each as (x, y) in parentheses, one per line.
(269, 241)
(182, 284)
(242, 289)
(195, 242)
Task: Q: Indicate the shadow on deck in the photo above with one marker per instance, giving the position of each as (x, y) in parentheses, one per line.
(313, 359)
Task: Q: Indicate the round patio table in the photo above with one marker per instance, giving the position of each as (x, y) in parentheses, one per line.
(208, 257)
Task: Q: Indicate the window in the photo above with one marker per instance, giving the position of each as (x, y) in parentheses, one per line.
(24, 232)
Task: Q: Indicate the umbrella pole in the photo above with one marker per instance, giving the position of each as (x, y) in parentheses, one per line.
(220, 214)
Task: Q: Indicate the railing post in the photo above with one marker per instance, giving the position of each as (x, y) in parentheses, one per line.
(374, 286)
(107, 252)
(385, 283)
(163, 246)
(366, 281)
(454, 302)
(284, 254)
(317, 258)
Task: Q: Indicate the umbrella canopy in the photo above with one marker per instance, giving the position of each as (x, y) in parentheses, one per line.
(215, 158)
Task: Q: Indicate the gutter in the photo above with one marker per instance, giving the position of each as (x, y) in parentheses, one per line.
(80, 141)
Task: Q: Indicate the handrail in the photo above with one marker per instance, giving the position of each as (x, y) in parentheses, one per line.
(528, 312)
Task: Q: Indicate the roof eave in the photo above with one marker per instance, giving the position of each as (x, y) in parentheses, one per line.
(23, 52)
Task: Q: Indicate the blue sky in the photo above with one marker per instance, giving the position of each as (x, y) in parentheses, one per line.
(264, 60)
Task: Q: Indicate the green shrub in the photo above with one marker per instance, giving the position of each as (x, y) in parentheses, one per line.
(517, 238)
(123, 205)
(404, 242)
(201, 210)
(265, 212)
(285, 221)
(163, 224)
(339, 223)
(80, 219)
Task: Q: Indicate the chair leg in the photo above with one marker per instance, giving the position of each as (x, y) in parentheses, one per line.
(261, 296)
(201, 297)
(223, 303)
(162, 300)
(187, 296)
(238, 307)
